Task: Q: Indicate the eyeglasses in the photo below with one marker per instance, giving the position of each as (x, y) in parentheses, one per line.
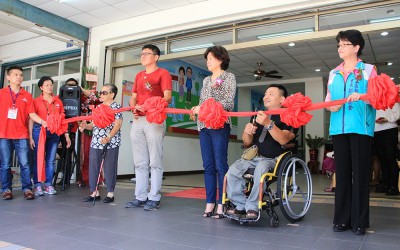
(344, 45)
(104, 93)
(146, 54)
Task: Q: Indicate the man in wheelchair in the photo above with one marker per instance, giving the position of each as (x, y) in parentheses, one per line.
(270, 135)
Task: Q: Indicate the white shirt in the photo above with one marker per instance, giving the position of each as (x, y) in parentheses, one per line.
(392, 115)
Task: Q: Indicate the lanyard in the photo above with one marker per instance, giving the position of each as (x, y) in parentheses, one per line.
(12, 97)
(52, 104)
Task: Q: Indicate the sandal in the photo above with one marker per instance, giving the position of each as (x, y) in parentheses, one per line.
(251, 214)
(329, 189)
(208, 214)
(219, 216)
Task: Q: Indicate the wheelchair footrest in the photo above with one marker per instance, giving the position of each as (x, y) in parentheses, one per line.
(241, 218)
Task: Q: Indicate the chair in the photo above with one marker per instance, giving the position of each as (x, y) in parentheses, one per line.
(293, 192)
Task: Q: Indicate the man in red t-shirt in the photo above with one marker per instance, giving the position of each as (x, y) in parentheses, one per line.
(147, 138)
(16, 107)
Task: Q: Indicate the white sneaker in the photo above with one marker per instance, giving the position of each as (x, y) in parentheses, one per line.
(39, 191)
(50, 190)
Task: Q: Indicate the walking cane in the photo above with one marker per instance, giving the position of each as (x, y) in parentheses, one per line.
(103, 156)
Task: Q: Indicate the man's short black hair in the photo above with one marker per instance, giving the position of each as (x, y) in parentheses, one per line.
(72, 80)
(153, 48)
(14, 67)
(282, 90)
(354, 37)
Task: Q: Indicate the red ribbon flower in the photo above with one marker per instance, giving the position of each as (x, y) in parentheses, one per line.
(212, 114)
(294, 115)
(103, 116)
(382, 92)
(155, 109)
(55, 123)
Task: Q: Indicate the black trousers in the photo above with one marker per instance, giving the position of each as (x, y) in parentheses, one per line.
(352, 161)
(385, 146)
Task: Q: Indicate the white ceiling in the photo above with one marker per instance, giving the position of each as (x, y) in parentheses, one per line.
(295, 62)
(91, 13)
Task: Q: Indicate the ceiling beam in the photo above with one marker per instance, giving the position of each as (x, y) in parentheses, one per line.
(45, 19)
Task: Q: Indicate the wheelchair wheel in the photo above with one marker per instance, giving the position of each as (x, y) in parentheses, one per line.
(294, 189)
(274, 222)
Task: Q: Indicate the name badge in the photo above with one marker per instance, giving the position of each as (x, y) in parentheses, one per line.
(12, 113)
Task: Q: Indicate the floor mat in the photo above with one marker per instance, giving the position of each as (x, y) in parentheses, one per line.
(194, 193)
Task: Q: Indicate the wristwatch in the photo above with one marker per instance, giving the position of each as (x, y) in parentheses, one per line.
(270, 126)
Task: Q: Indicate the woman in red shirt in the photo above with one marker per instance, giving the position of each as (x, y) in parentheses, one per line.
(45, 105)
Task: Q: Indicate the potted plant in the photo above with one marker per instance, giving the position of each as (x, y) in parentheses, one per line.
(314, 143)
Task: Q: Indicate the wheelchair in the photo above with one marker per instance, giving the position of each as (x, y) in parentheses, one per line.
(293, 192)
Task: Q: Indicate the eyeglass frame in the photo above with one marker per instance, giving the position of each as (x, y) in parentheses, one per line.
(104, 92)
(344, 45)
(146, 54)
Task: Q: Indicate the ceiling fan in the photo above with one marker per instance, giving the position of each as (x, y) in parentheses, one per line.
(259, 73)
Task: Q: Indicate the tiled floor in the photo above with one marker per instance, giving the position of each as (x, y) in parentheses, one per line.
(63, 221)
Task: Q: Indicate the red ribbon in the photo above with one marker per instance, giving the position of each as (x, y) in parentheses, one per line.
(382, 94)
(212, 114)
(55, 123)
(103, 116)
(155, 109)
(41, 173)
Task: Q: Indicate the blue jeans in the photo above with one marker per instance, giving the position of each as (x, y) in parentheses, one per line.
(214, 152)
(21, 147)
(52, 141)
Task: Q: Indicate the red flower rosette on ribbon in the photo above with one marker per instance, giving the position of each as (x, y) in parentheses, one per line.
(55, 123)
(382, 92)
(294, 115)
(212, 114)
(103, 116)
(155, 109)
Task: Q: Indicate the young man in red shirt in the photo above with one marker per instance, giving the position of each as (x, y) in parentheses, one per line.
(147, 138)
(16, 107)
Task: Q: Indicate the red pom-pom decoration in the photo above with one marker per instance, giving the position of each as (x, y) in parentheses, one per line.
(55, 123)
(294, 115)
(212, 114)
(155, 109)
(382, 92)
(103, 116)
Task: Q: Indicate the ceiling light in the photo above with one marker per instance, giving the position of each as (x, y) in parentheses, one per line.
(287, 33)
(62, 1)
(389, 63)
(385, 33)
(40, 30)
(317, 70)
(291, 44)
(206, 45)
(381, 20)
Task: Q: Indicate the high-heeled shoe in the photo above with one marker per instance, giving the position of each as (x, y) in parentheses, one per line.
(209, 214)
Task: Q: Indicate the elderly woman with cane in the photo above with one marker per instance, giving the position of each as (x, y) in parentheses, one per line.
(99, 157)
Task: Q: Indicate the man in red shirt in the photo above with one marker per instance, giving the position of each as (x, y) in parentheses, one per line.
(16, 107)
(147, 138)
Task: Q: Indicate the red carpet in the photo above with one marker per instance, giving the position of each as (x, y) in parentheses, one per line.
(194, 193)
